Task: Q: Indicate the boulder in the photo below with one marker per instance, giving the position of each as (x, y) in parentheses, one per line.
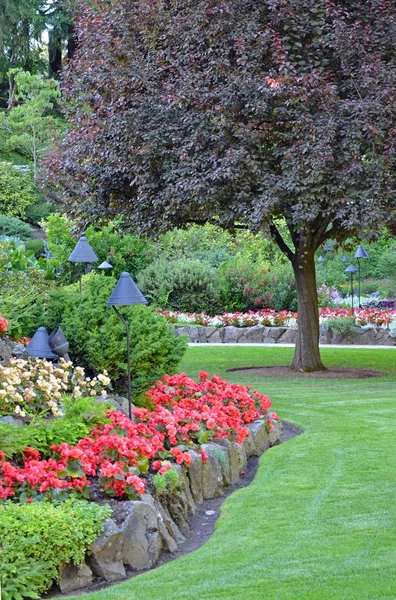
(214, 335)
(10, 420)
(168, 542)
(260, 436)
(212, 479)
(231, 469)
(105, 559)
(248, 444)
(289, 336)
(195, 476)
(275, 434)
(232, 334)
(5, 352)
(171, 527)
(141, 538)
(177, 507)
(253, 335)
(185, 491)
(72, 578)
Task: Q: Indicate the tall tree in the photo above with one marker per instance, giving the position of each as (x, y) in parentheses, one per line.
(240, 110)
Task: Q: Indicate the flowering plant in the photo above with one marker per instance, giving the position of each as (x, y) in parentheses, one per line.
(35, 387)
(185, 415)
(365, 317)
(3, 325)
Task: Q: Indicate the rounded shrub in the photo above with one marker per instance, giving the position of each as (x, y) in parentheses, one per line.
(188, 285)
(17, 190)
(14, 227)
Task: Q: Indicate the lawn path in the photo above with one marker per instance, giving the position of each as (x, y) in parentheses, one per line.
(319, 519)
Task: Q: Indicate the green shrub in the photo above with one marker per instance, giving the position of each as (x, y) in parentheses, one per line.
(188, 285)
(97, 336)
(243, 285)
(40, 211)
(43, 535)
(21, 298)
(343, 326)
(125, 252)
(12, 226)
(281, 288)
(386, 265)
(80, 417)
(37, 247)
(17, 190)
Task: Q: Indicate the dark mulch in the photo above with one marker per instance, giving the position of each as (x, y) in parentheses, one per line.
(329, 373)
(201, 525)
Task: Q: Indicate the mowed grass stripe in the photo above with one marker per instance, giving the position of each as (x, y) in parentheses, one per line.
(319, 520)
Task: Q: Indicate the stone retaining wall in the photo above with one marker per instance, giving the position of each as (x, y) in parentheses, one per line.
(142, 530)
(285, 335)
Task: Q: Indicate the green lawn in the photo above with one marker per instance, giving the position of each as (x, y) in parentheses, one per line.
(319, 519)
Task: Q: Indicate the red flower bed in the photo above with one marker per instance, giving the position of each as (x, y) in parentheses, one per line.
(185, 415)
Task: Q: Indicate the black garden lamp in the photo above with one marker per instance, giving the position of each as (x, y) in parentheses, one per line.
(351, 270)
(105, 265)
(38, 346)
(126, 293)
(320, 259)
(59, 344)
(360, 253)
(83, 253)
(345, 258)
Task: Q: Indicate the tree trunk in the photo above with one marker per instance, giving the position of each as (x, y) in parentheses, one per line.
(55, 54)
(307, 355)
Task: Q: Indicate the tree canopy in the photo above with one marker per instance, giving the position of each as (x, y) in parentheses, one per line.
(241, 111)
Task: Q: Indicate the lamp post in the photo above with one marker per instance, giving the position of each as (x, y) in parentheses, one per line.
(38, 346)
(126, 293)
(351, 270)
(360, 253)
(83, 253)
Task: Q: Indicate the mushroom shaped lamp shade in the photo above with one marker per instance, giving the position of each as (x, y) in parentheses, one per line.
(83, 252)
(351, 269)
(38, 346)
(361, 253)
(126, 292)
(320, 259)
(105, 265)
(345, 258)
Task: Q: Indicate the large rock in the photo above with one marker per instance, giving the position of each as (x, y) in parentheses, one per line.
(275, 434)
(195, 476)
(258, 431)
(106, 553)
(168, 542)
(253, 335)
(10, 420)
(73, 578)
(177, 506)
(230, 470)
(170, 525)
(5, 352)
(212, 480)
(249, 445)
(232, 334)
(185, 491)
(141, 537)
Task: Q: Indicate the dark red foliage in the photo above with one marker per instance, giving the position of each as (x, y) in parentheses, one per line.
(244, 110)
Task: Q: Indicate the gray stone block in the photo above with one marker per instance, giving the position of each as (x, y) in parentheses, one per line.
(212, 480)
(141, 537)
(73, 578)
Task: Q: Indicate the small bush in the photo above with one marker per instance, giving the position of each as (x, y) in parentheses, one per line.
(244, 285)
(40, 536)
(97, 336)
(40, 211)
(17, 190)
(37, 246)
(12, 226)
(188, 285)
(21, 296)
(343, 326)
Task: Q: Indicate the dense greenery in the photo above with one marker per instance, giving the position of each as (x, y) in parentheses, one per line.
(97, 336)
(318, 519)
(17, 191)
(36, 538)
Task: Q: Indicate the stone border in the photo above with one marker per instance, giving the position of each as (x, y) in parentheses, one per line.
(159, 523)
(259, 334)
